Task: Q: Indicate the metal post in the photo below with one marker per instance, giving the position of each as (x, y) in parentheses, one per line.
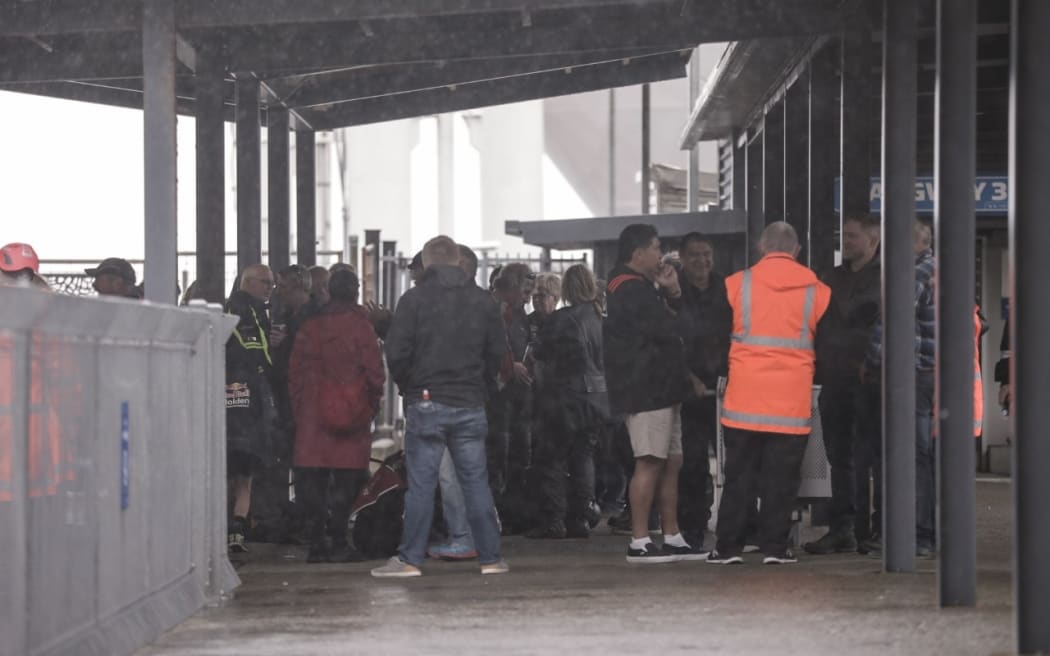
(693, 183)
(249, 173)
(211, 175)
(955, 169)
(158, 117)
(278, 184)
(612, 152)
(446, 175)
(899, 124)
(756, 221)
(1030, 318)
(645, 149)
(305, 198)
(823, 156)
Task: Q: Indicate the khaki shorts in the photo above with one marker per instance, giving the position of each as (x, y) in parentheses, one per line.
(657, 433)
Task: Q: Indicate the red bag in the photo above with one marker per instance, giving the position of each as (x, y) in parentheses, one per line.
(344, 406)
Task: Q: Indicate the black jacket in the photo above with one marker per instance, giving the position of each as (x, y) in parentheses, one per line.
(250, 409)
(845, 329)
(644, 350)
(706, 322)
(447, 337)
(573, 394)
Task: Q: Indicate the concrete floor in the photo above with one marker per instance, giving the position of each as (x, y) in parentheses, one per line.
(580, 597)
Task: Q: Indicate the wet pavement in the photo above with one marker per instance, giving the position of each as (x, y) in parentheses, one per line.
(581, 597)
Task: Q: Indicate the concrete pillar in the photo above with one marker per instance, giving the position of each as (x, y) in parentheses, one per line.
(158, 109)
(249, 173)
(278, 185)
(446, 166)
(211, 174)
(899, 70)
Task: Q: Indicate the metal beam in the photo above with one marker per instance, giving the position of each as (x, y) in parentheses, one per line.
(211, 176)
(48, 17)
(306, 197)
(355, 84)
(278, 185)
(899, 125)
(160, 168)
(955, 169)
(249, 165)
(111, 56)
(499, 92)
(1030, 319)
(646, 148)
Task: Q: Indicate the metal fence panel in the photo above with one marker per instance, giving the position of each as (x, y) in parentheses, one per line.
(112, 471)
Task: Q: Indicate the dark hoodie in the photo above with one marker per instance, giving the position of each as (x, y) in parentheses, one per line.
(447, 337)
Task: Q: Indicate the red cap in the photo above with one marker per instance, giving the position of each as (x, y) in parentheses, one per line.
(19, 257)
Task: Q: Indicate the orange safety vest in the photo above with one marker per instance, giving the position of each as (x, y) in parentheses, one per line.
(776, 306)
(49, 462)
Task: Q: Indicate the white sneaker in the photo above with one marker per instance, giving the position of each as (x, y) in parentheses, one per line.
(500, 567)
(396, 568)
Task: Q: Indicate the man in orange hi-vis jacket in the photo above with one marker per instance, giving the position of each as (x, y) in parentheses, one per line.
(766, 411)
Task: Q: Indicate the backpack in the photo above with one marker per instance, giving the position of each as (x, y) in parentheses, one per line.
(378, 511)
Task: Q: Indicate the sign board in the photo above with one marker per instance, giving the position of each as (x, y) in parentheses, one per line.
(991, 194)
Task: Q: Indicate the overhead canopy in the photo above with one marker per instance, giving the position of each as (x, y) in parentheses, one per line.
(578, 234)
(336, 63)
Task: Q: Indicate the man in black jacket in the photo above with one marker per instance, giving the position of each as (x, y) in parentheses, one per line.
(707, 321)
(849, 406)
(444, 350)
(648, 380)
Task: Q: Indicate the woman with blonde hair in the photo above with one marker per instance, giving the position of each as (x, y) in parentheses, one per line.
(573, 406)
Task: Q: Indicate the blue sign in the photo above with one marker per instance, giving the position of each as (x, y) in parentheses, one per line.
(991, 194)
(124, 477)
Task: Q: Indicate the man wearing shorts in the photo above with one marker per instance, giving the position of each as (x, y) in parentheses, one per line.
(648, 380)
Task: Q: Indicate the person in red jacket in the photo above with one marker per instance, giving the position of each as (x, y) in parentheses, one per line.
(335, 382)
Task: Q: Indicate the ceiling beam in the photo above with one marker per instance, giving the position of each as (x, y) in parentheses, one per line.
(497, 92)
(323, 89)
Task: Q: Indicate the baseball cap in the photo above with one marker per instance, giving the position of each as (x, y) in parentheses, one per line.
(19, 257)
(114, 266)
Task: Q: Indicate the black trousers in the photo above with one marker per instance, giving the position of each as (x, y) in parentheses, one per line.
(851, 436)
(694, 481)
(509, 451)
(270, 507)
(327, 495)
(776, 461)
(564, 465)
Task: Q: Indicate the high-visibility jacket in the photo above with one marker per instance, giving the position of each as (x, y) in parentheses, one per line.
(978, 386)
(49, 462)
(776, 306)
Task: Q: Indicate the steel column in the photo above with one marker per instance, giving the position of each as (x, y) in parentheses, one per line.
(612, 152)
(955, 169)
(646, 159)
(306, 197)
(249, 173)
(211, 175)
(823, 158)
(160, 174)
(899, 124)
(278, 185)
(756, 221)
(1030, 318)
(692, 195)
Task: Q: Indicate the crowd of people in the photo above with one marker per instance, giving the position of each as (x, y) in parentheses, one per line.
(600, 402)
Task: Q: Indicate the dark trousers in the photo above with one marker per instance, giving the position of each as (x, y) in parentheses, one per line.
(845, 413)
(925, 462)
(509, 449)
(867, 457)
(270, 506)
(776, 460)
(564, 465)
(614, 461)
(694, 481)
(327, 495)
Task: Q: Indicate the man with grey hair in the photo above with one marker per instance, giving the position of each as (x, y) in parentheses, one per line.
(444, 351)
(766, 409)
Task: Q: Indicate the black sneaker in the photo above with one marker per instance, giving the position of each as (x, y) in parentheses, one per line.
(785, 557)
(554, 530)
(872, 545)
(834, 541)
(651, 554)
(577, 529)
(688, 552)
(716, 558)
(621, 524)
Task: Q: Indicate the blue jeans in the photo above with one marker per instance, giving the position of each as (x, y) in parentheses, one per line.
(429, 429)
(453, 504)
(925, 463)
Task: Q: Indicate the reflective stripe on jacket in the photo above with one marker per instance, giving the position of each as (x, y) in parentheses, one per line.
(776, 307)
